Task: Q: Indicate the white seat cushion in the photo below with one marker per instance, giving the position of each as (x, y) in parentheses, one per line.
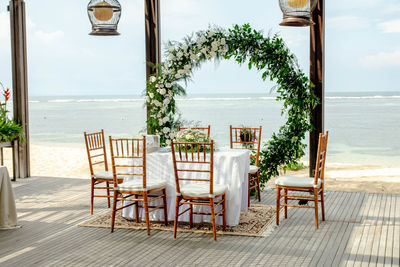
(297, 181)
(137, 185)
(105, 175)
(202, 189)
(253, 169)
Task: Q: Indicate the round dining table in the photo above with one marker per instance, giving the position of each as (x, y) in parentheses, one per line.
(231, 168)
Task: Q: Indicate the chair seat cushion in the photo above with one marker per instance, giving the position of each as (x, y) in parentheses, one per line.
(202, 189)
(105, 175)
(137, 185)
(253, 169)
(297, 181)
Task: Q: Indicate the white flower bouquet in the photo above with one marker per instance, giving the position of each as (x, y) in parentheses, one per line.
(192, 136)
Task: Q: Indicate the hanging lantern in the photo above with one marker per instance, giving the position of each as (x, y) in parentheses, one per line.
(297, 13)
(104, 16)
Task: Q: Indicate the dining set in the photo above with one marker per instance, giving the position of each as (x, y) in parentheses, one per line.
(176, 183)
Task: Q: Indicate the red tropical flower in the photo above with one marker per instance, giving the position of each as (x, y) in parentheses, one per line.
(6, 94)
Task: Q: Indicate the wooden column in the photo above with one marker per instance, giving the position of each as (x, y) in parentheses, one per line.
(317, 73)
(20, 85)
(153, 39)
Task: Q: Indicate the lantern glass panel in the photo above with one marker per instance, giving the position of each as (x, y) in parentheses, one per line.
(104, 16)
(297, 12)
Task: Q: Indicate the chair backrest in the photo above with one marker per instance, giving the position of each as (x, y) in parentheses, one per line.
(246, 138)
(321, 156)
(193, 162)
(96, 150)
(206, 130)
(128, 158)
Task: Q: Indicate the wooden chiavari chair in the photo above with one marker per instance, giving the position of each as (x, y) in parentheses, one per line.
(97, 157)
(249, 138)
(194, 178)
(204, 129)
(314, 185)
(128, 157)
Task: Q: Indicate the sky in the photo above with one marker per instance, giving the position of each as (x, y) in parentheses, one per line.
(362, 46)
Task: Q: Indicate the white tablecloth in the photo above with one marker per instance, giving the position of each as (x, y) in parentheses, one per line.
(8, 211)
(231, 168)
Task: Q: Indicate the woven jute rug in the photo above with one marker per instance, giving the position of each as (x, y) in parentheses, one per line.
(257, 222)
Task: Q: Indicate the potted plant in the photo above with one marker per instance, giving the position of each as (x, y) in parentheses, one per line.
(10, 129)
(246, 135)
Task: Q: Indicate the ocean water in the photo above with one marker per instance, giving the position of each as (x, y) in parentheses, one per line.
(363, 128)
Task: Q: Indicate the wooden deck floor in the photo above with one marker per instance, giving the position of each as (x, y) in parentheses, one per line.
(361, 229)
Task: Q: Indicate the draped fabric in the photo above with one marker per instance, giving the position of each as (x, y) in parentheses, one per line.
(231, 168)
(8, 211)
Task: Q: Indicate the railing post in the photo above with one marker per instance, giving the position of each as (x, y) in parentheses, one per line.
(21, 162)
(153, 39)
(317, 73)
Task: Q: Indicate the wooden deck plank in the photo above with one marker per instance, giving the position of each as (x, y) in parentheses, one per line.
(293, 228)
(330, 231)
(317, 238)
(390, 237)
(336, 244)
(384, 232)
(354, 242)
(372, 232)
(376, 223)
(353, 222)
(50, 209)
(396, 233)
(369, 232)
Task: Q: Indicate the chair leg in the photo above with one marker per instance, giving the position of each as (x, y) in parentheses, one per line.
(191, 215)
(176, 215)
(322, 204)
(165, 206)
(213, 219)
(108, 195)
(316, 207)
(224, 213)
(137, 209)
(258, 187)
(146, 212)
(248, 195)
(114, 210)
(286, 192)
(278, 203)
(91, 196)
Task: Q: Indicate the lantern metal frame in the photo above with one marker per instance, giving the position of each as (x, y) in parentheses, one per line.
(297, 16)
(108, 27)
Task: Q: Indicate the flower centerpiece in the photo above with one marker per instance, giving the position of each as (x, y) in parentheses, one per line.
(192, 136)
(9, 128)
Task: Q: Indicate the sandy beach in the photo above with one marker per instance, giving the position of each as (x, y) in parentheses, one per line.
(70, 160)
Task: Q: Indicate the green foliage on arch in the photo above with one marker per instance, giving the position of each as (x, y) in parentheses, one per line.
(268, 55)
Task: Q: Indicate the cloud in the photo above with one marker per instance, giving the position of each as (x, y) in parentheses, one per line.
(183, 8)
(4, 25)
(390, 26)
(382, 59)
(347, 23)
(295, 39)
(49, 37)
(391, 8)
(30, 24)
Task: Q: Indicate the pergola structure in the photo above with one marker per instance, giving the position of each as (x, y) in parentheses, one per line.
(153, 55)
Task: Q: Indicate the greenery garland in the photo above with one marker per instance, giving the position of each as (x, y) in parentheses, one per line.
(269, 55)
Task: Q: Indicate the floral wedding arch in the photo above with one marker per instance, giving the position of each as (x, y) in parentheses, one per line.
(268, 55)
